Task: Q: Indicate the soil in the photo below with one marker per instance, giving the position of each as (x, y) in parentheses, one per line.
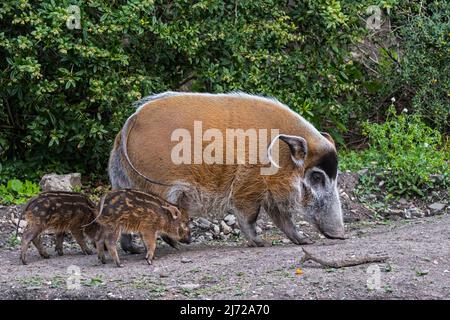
(418, 267)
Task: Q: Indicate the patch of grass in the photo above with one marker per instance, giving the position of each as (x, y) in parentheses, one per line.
(387, 288)
(387, 268)
(421, 273)
(34, 281)
(13, 241)
(194, 293)
(158, 291)
(92, 282)
(57, 282)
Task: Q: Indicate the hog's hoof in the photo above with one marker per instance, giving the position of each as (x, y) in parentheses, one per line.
(45, 256)
(119, 265)
(24, 262)
(303, 241)
(87, 252)
(149, 261)
(60, 252)
(102, 260)
(258, 243)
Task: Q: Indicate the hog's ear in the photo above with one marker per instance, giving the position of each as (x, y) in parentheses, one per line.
(173, 211)
(298, 147)
(329, 137)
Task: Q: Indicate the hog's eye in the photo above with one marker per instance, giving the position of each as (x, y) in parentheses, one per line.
(317, 178)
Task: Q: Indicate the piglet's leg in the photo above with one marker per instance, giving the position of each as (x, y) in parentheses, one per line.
(111, 245)
(59, 243)
(37, 241)
(79, 237)
(149, 238)
(100, 246)
(28, 235)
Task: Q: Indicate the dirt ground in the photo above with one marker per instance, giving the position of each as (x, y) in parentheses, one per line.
(418, 268)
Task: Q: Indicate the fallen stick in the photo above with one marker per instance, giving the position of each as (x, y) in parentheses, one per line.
(349, 262)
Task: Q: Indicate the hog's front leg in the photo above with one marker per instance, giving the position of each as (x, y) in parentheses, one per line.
(285, 223)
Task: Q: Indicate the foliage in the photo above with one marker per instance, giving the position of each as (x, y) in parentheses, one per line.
(405, 153)
(64, 94)
(17, 192)
(424, 73)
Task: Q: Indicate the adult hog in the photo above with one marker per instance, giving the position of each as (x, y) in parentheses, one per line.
(177, 145)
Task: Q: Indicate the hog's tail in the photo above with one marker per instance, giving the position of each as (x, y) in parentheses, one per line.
(100, 211)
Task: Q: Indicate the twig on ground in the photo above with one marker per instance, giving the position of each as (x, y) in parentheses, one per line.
(348, 262)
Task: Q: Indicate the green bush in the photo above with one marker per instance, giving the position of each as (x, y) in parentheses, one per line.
(17, 192)
(424, 74)
(65, 93)
(405, 153)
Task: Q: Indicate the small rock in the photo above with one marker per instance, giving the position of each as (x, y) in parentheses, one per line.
(407, 214)
(208, 236)
(60, 182)
(437, 206)
(236, 232)
(186, 260)
(415, 212)
(190, 286)
(258, 230)
(204, 223)
(216, 230)
(402, 201)
(286, 241)
(362, 171)
(437, 177)
(225, 228)
(22, 224)
(230, 219)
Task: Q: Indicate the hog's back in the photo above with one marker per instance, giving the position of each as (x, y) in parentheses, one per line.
(150, 146)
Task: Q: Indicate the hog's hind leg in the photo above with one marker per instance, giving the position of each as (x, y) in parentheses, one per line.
(247, 224)
(79, 238)
(59, 243)
(37, 241)
(28, 235)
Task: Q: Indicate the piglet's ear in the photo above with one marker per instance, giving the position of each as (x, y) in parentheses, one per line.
(298, 147)
(328, 136)
(173, 211)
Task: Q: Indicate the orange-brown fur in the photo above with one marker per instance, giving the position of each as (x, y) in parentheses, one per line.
(58, 211)
(212, 189)
(135, 211)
